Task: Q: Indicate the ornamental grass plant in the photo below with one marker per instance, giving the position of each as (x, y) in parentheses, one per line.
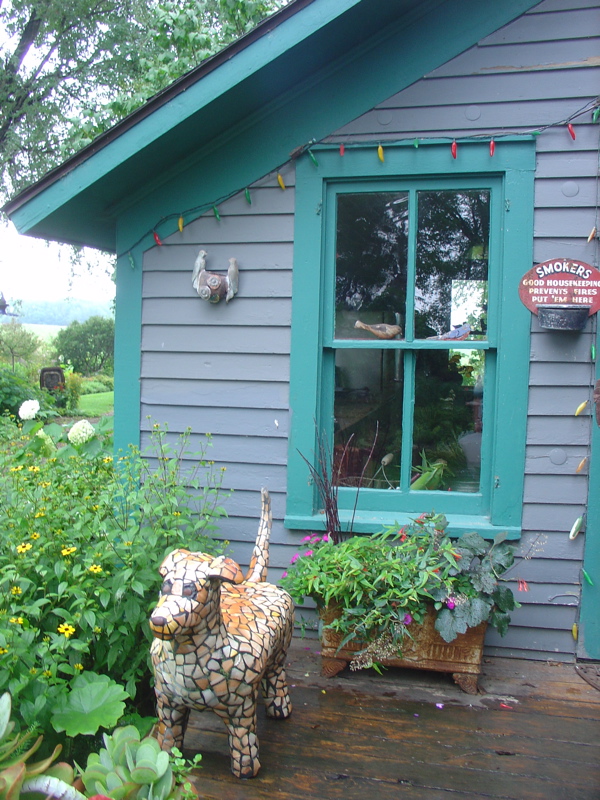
(384, 585)
(81, 539)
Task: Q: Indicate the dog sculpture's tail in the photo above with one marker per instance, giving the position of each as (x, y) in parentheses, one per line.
(259, 563)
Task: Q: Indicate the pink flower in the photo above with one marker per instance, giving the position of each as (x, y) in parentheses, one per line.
(450, 603)
(308, 553)
(407, 619)
(284, 575)
(307, 538)
(295, 558)
(325, 537)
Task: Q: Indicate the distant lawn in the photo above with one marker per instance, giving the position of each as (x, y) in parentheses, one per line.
(95, 405)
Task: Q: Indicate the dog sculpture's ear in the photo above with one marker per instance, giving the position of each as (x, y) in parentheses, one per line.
(225, 569)
(171, 561)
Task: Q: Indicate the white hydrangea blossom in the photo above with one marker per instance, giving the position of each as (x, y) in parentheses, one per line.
(29, 409)
(48, 446)
(81, 432)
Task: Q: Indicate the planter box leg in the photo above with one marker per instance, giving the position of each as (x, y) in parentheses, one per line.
(331, 666)
(467, 682)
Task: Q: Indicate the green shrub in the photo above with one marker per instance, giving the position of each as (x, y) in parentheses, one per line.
(15, 389)
(94, 386)
(81, 539)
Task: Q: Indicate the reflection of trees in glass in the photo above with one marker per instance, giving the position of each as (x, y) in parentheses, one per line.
(452, 243)
(371, 254)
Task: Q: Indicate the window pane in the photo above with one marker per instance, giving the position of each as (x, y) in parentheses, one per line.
(368, 411)
(448, 420)
(452, 264)
(371, 260)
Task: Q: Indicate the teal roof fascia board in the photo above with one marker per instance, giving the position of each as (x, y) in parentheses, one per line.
(65, 205)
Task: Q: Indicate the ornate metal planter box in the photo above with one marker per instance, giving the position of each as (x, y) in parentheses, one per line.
(426, 650)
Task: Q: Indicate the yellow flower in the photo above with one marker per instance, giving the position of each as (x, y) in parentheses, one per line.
(107, 460)
(39, 514)
(16, 469)
(3, 650)
(33, 671)
(16, 620)
(33, 469)
(96, 568)
(67, 551)
(47, 673)
(45, 484)
(177, 513)
(23, 548)
(16, 590)
(35, 536)
(78, 667)
(46, 639)
(66, 629)
(127, 544)
(58, 531)
(95, 508)
(97, 629)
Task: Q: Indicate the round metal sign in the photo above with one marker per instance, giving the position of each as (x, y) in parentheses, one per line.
(561, 282)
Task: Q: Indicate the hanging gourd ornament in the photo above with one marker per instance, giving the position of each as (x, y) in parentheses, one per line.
(454, 149)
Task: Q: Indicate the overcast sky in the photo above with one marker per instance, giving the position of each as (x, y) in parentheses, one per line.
(31, 269)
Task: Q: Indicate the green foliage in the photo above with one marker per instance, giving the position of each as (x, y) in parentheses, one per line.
(97, 384)
(382, 584)
(17, 344)
(131, 767)
(15, 389)
(88, 346)
(68, 75)
(19, 777)
(95, 701)
(81, 538)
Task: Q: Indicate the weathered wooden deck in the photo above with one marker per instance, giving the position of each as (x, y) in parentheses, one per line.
(534, 734)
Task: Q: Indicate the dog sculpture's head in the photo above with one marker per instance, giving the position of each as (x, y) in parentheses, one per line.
(188, 590)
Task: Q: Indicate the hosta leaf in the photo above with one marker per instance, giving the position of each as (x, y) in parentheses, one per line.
(95, 701)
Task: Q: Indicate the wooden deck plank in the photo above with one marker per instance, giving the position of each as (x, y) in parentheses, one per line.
(361, 736)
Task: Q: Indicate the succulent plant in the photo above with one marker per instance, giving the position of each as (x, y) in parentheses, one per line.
(18, 778)
(129, 768)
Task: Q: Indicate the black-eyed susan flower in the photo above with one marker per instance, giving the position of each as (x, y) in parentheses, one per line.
(24, 547)
(96, 568)
(66, 629)
(68, 551)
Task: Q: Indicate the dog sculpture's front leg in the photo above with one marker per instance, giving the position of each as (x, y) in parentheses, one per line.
(243, 741)
(172, 722)
(275, 691)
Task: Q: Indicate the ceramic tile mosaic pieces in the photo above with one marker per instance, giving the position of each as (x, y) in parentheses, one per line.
(219, 638)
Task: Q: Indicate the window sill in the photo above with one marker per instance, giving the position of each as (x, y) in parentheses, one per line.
(371, 522)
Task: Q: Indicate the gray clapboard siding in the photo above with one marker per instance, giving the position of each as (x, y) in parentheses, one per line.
(567, 489)
(476, 89)
(549, 516)
(257, 256)
(549, 193)
(531, 643)
(216, 366)
(568, 55)
(559, 24)
(494, 116)
(574, 373)
(252, 283)
(225, 420)
(187, 339)
(193, 311)
(544, 430)
(539, 460)
(214, 393)
(562, 400)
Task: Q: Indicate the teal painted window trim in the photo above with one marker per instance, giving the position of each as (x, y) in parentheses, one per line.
(510, 174)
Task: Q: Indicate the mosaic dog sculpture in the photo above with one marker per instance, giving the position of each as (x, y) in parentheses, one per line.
(219, 638)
